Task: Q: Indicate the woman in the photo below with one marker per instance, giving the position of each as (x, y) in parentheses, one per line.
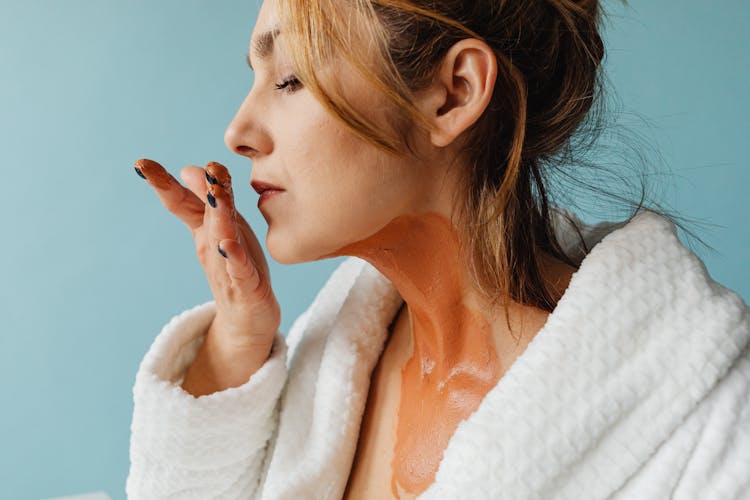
(476, 343)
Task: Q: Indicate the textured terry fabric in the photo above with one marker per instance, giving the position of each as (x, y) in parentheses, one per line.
(206, 447)
(596, 406)
(637, 387)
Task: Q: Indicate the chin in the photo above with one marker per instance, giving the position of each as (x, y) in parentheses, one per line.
(279, 251)
(286, 251)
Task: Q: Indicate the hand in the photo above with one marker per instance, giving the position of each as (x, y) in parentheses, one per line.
(247, 312)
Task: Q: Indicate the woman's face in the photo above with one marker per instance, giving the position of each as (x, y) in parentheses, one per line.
(339, 189)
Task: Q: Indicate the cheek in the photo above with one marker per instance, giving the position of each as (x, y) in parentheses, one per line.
(342, 189)
(336, 189)
(324, 207)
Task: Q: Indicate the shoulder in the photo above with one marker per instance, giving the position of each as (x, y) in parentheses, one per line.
(719, 462)
(708, 455)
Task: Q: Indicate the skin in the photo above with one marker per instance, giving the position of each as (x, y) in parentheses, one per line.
(343, 196)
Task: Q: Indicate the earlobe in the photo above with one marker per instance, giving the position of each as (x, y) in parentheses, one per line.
(461, 90)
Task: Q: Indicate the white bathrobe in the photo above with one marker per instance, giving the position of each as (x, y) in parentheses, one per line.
(637, 387)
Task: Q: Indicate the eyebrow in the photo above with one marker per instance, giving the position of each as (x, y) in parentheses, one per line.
(263, 45)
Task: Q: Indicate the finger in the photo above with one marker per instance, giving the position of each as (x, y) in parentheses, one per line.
(218, 173)
(240, 267)
(218, 221)
(222, 223)
(195, 179)
(173, 195)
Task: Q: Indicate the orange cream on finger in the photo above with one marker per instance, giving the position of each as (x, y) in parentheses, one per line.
(154, 172)
(220, 173)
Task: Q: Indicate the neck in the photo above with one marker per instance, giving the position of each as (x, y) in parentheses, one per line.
(453, 362)
(421, 256)
(457, 355)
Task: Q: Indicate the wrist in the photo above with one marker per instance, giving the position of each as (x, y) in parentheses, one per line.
(231, 337)
(223, 362)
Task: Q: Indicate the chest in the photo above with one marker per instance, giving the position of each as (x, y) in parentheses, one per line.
(371, 473)
(374, 471)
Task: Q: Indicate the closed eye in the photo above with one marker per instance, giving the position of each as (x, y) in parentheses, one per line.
(291, 84)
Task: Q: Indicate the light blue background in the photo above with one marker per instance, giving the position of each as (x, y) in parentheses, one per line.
(92, 266)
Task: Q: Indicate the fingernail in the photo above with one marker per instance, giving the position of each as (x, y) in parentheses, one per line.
(211, 199)
(157, 175)
(222, 252)
(211, 179)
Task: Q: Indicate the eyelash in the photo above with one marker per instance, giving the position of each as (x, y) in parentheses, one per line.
(289, 85)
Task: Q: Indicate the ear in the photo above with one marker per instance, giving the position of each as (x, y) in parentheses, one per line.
(460, 91)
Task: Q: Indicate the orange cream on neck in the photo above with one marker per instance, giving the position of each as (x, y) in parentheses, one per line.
(453, 361)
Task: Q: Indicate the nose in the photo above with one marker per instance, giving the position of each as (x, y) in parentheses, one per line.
(245, 134)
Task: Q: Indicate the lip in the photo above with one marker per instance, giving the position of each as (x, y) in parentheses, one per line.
(268, 194)
(260, 186)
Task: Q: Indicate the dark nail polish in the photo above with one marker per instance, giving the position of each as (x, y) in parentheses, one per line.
(211, 179)
(222, 252)
(138, 171)
(211, 199)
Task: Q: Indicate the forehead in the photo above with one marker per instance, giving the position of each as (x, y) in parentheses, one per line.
(264, 34)
(267, 18)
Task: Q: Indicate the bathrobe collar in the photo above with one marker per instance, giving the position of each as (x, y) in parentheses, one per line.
(639, 337)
